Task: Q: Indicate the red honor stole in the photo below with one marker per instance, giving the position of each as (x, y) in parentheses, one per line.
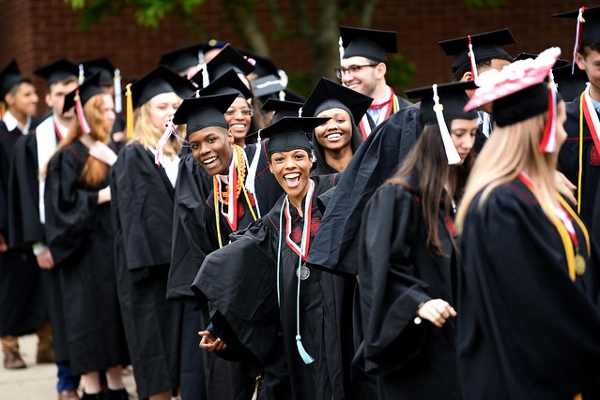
(390, 106)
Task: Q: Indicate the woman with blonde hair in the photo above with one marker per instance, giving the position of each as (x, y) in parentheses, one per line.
(528, 284)
(80, 237)
(142, 182)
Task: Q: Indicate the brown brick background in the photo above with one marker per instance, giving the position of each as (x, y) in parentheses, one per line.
(37, 32)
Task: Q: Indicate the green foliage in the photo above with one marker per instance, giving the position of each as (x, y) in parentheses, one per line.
(400, 72)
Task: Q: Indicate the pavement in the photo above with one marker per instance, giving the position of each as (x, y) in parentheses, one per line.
(37, 382)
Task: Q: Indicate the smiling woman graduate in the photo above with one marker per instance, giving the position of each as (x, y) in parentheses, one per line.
(303, 309)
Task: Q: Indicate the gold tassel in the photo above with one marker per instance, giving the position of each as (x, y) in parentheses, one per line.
(129, 99)
(2, 110)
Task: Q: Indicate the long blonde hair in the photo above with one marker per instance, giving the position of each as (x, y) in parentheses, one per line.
(94, 171)
(149, 135)
(510, 150)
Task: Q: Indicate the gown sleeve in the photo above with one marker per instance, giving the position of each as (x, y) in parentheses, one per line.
(390, 289)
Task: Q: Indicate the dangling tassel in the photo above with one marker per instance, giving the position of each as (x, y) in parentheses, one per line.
(284, 82)
(305, 356)
(81, 77)
(202, 64)
(117, 88)
(2, 110)
(258, 136)
(451, 153)
(341, 49)
(163, 140)
(548, 144)
(578, 36)
(129, 104)
(472, 59)
(85, 128)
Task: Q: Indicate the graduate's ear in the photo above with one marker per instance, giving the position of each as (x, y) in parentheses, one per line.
(380, 70)
(9, 99)
(468, 76)
(580, 59)
(48, 100)
(230, 138)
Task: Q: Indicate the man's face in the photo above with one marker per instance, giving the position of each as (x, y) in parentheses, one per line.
(589, 61)
(24, 100)
(55, 98)
(361, 74)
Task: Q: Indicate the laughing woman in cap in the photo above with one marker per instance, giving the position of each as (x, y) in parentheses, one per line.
(407, 255)
(142, 210)
(336, 141)
(528, 320)
(80, 236)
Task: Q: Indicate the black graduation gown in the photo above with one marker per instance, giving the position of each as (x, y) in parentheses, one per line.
(245, 303)
(336, 245)
(397, 274)
(27, 229)
(525, 330)
(142, 216)
(22, 306)
(80, 236)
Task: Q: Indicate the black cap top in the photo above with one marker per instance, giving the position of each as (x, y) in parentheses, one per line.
(160, 80)
(590, 29)
(569, 85)
(199, 113)
(368, 43)
(526, 56)
(229, 82)
(282, 108)
(185, 57)
(228, 58)
(452, 98)
(57, 71)
(263, 66)
(101, 65)
(266, 85)
(485, 46)
(9, 77)
(519, 91)
(289, 133)
(88, 89)
(328, 94)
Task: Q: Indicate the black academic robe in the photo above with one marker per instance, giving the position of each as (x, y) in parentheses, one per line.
(244, 293)
(142, 217)
(27, 229)
(569, 164)
(397, 274)
(22, 305)
(80, 236)
(525, 330)
(336, 244)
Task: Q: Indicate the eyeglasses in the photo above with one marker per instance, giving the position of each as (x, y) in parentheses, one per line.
(339, 72)
(246, 112)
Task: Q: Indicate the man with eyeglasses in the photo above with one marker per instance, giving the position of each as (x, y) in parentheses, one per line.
(363, 68)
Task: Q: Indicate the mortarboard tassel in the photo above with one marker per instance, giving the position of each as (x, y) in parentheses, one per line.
(284, 82)
(451, 153)
(81, 76)
(163, 140)
(117, 87)
(472, 59)
(202, 64)
(548, 144)
(2, 110)
(129, 104)
(341, 49)
(578, 36)
(85, 128)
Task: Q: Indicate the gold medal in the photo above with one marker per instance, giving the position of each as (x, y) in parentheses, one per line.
(579, 264)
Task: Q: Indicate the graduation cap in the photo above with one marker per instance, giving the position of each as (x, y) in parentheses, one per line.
(328, 94)
(289, 133)
(525, 56)
(160, 80)
(588, 25)
(569, 85)
(368, 43)
(229, 82)
(267, 85)
(9, 77)
(442, 103)
(227, 59)
(263, 66)
(521, 91)
(282, 108)
(101, 65)
(57, 71)
(189, 56)
(204, 111)
(88, 89)
(485, 46)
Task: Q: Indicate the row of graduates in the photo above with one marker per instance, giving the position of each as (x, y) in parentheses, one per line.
(313, 316)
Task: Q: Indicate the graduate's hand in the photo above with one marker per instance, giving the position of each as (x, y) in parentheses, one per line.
(103, 153)
(3, 245)
(45, 260)
(104, 195)
(436, 311)
(565, 186)
(210, 342)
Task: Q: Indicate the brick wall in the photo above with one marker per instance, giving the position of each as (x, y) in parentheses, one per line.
(37, 32)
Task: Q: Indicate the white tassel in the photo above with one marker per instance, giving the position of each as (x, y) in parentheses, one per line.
(451, 153)
(81, 76)
(305, 356)
(117, 86)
